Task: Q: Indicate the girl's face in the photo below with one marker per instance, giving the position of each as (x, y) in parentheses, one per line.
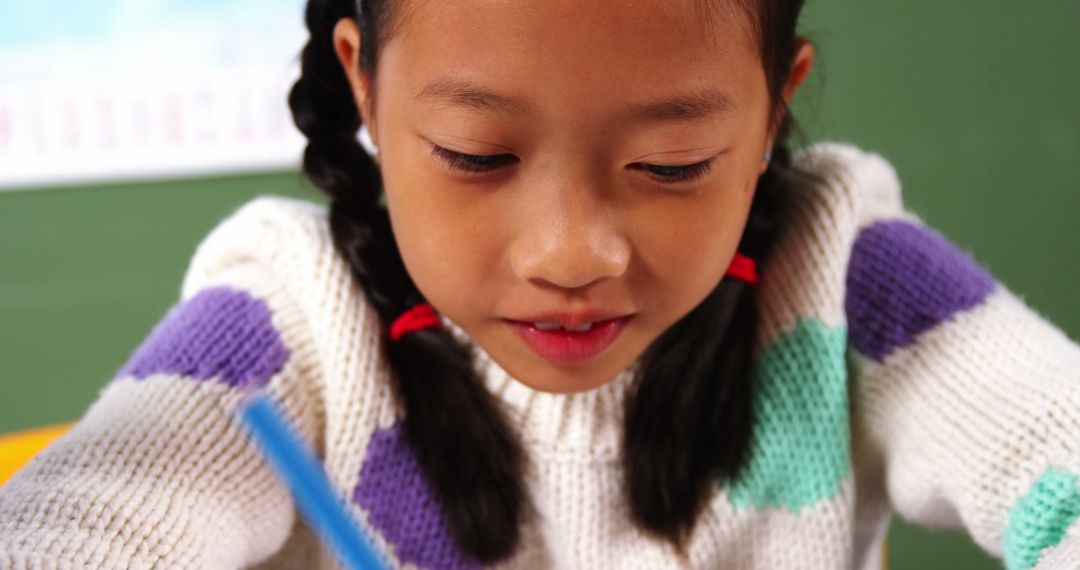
(565, 158)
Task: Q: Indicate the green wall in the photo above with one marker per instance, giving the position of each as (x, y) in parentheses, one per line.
(972, 101)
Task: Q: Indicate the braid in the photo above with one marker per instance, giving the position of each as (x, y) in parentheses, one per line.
(448, 414)
(671, 467)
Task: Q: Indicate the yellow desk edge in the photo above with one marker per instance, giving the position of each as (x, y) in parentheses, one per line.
(17, 449)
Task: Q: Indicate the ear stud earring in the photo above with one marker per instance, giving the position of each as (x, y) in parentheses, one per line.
(364, 136)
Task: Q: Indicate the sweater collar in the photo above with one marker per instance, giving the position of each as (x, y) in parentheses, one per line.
(582, 426)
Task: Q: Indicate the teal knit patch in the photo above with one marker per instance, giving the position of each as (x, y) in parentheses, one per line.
(800, 450)
(1039, 519)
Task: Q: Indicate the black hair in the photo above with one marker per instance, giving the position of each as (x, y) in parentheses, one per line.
(681, 438)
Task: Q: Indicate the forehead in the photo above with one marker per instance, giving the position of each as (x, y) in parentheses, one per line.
(577, 49)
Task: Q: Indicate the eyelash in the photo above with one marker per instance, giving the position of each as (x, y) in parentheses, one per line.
(477, 164)
(685, 173)
(472, 163)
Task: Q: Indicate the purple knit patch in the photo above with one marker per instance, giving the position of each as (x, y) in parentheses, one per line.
(904, 279)
(403, 507)
(219, 333)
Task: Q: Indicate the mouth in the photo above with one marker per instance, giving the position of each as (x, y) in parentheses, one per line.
(569, 345)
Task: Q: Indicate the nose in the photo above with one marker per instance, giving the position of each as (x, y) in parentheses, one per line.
(569, 239)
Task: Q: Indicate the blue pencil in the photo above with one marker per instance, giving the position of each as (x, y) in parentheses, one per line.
(309, 485)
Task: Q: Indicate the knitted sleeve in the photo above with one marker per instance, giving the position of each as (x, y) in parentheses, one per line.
(969, 399)
(158, 472)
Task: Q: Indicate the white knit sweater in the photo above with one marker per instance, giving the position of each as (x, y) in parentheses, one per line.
(894, 375)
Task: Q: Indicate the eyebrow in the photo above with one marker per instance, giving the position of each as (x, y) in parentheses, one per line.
(691, 106)
(472, 96)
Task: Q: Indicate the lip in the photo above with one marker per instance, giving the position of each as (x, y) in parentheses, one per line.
(569, 348)
(571, 320)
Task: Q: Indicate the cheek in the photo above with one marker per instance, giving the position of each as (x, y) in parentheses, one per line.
(447, 252)
(685, 248)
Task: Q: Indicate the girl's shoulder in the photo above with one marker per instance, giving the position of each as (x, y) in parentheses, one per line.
(285, 235)
(281, 248)
(837, 192)
(843, 185)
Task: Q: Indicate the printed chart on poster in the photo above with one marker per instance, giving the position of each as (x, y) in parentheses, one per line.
(108, 90)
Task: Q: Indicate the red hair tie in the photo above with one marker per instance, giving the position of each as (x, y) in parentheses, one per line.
(422, 316)
(743, 268)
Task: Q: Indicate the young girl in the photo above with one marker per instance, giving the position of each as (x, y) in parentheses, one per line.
(579, 308)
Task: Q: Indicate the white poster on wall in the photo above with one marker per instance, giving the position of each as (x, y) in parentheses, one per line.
(106, 90)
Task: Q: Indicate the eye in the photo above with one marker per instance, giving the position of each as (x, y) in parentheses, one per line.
(474, 163)
(680, 173)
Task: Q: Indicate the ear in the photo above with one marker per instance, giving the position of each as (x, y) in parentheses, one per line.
(800, 69)
(347, 47)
